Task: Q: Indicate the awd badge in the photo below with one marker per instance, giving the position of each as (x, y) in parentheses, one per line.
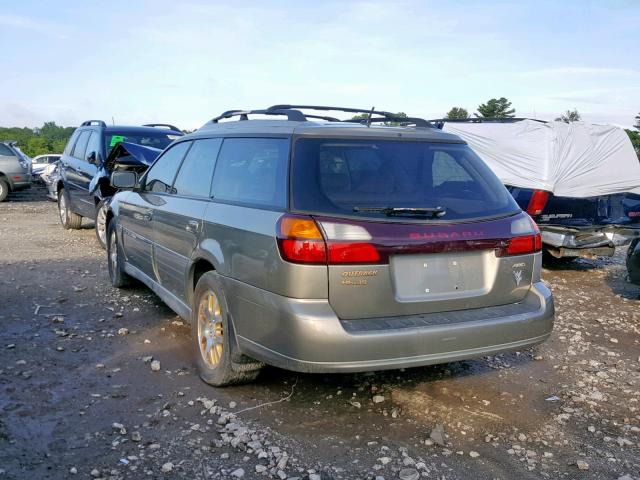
(517, 274)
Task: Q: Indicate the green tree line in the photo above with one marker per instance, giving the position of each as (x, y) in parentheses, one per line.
(50, 138)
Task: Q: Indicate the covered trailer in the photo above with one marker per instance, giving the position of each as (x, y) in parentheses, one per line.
(580, 182)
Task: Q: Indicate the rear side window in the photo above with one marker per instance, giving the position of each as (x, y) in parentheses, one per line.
(160, 176)
(194, 177)
(5, 151)
(341, 177)
(81, 145)
(72, 141)
(94, 144)
(252, 171)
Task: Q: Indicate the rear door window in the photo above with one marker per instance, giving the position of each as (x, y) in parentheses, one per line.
(252, 171)
(194, 177)
(94, 144)
(343, 177)
(160, 176)
(72, 141)
(81, 145)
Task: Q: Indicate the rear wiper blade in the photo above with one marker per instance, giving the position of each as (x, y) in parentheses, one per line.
(417, 211)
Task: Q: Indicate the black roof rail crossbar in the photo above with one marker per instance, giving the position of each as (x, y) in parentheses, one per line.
(293, 115)
(93, 122)
(167, 125)
(323, 117)
(383, 115)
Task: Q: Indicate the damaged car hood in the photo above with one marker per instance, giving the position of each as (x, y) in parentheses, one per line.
(124, 154)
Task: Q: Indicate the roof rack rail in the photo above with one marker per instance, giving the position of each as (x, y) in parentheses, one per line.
(383, 116)
(166, 125)
(403, 121)
(329, 109)
(293, 113)
(88, 123)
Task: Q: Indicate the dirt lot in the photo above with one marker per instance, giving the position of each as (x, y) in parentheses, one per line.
(79, 397)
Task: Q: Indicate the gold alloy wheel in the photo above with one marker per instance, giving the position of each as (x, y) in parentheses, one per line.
(210, 329)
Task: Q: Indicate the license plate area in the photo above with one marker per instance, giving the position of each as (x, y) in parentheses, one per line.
(441, 276)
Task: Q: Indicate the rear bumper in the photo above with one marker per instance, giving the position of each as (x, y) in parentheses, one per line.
(306, 335)
(574, 242)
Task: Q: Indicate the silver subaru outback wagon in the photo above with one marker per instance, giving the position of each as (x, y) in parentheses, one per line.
(319, 245)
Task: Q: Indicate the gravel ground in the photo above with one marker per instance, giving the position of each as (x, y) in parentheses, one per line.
(99, 383)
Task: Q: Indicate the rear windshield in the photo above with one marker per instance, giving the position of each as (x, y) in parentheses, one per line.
(149, 139)
(341, 177)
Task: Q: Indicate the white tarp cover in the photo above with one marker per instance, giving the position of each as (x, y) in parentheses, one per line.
(569, 159)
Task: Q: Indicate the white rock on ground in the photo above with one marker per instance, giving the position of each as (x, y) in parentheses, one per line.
(409, 474)
(582, 465)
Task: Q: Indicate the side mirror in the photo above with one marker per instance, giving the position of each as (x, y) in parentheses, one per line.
(94, 158)
(124, 180)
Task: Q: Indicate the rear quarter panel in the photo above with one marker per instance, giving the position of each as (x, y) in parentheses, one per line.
(243, 242)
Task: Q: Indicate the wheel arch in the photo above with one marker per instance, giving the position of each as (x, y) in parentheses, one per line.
(199, 267)
(59, 186)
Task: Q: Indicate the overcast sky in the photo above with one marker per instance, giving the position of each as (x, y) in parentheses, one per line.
(185, 62)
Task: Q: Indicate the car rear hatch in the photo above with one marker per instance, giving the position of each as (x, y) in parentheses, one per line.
(406, 227)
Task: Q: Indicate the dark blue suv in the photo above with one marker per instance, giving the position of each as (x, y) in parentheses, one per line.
(82, 159)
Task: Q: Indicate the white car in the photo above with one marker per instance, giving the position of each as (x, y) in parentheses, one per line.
(39, 163)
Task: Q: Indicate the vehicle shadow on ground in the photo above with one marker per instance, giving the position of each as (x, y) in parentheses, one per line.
(407, 378)
(574, 264)
(37, 193)
(620, 285)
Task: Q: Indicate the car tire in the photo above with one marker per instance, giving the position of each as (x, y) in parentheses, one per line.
(115, 259)
(69, 220)
(212, 337)
(101, 222)
(4, 189)
(632, 270)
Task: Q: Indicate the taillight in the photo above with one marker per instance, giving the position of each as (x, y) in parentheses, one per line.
(301, 240)
(537, 202)
(526, 238)
(524, 245)
(352, 253)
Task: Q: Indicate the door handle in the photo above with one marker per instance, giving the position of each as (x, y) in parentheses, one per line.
(192, 226)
